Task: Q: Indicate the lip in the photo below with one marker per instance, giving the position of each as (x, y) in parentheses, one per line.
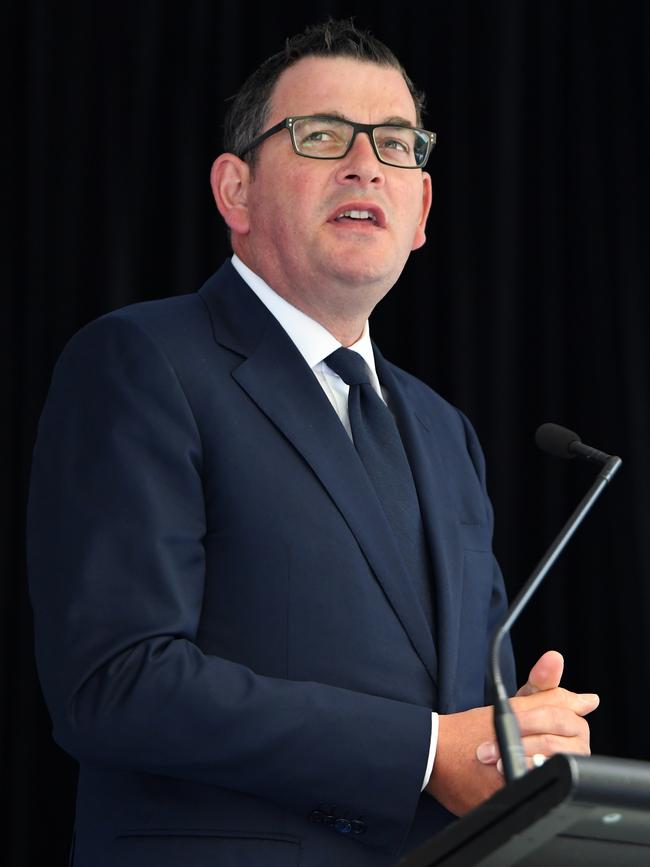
(375, 210)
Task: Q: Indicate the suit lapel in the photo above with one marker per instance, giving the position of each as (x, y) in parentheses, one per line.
(275, 376)
(421, 434)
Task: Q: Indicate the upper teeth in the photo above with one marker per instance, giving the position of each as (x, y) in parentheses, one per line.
(357, 215)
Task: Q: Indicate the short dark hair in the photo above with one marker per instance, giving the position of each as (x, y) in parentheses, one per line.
(249, 110)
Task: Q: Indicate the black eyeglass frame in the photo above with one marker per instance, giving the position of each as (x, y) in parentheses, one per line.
(369, 128)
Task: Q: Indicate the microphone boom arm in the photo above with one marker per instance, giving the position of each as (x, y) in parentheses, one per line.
(505, 722)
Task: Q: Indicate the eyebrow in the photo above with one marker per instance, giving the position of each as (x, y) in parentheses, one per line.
(393, 119)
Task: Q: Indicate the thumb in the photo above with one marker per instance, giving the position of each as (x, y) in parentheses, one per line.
(545, 674)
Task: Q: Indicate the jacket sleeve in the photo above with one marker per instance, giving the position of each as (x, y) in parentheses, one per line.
(116, 521)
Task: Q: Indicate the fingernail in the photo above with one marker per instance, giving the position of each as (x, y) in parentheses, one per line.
(590, 698)
(486, 753)
(500, 766)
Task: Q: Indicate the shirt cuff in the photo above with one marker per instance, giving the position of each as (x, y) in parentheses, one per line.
(432, 749)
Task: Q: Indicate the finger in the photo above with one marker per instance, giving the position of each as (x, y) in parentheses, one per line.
(549, 745)
(545, 674)
(552, 721)
(580, 703)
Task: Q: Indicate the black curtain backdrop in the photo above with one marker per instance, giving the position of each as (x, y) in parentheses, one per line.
(529, 302)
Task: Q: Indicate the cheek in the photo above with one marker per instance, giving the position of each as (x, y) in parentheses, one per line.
(269, 220)
(295, 217)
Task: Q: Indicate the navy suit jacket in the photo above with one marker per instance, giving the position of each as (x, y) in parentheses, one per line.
(227, 638)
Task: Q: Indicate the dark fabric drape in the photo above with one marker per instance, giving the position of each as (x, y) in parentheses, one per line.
(528, 304)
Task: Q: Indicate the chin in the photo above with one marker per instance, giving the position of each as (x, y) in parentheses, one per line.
(377, 280)
(366, 269)
(363, 262)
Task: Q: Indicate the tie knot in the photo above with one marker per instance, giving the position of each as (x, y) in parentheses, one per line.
(349, 365)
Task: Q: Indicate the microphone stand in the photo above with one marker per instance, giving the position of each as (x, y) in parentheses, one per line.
(505, 721)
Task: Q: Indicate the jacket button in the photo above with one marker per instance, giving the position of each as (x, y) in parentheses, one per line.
(343, 826)
(358, 826)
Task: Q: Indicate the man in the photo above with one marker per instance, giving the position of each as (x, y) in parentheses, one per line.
(258, 654)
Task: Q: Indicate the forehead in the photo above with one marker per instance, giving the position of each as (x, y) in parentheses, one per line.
(359, 90)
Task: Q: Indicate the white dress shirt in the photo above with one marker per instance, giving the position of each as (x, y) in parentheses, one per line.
(315, 343)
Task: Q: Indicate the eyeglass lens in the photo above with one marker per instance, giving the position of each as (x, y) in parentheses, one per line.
(330, 138)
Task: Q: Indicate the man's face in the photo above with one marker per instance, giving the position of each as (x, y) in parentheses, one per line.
(297, 240)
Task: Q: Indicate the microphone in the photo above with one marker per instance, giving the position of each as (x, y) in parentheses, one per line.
(564, 443)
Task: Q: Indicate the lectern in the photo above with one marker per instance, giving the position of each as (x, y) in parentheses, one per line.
(573, 811)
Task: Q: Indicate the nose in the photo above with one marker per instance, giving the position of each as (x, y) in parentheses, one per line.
(360, 165)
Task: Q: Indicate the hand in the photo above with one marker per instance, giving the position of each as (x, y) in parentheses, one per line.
(550, 719)
(544, 676)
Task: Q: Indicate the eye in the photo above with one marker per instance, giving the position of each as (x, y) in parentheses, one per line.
(395, 143)
(323, 136)
(317, 135)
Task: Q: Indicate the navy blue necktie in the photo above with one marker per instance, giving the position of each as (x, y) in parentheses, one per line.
(378, 442)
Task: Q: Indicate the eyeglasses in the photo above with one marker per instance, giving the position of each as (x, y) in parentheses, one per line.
(321, 137)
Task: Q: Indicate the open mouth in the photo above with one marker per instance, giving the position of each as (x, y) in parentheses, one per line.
(356, 216)
(360, 214)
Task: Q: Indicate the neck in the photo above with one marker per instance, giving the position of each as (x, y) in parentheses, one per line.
(346, 331)
(340, 309)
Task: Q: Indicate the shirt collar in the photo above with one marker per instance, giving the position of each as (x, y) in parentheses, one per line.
(313, 341)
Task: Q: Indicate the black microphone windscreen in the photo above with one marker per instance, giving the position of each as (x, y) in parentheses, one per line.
(555, 440)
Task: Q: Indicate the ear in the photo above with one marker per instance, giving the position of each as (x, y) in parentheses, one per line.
(427, 194)
(229, 179)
